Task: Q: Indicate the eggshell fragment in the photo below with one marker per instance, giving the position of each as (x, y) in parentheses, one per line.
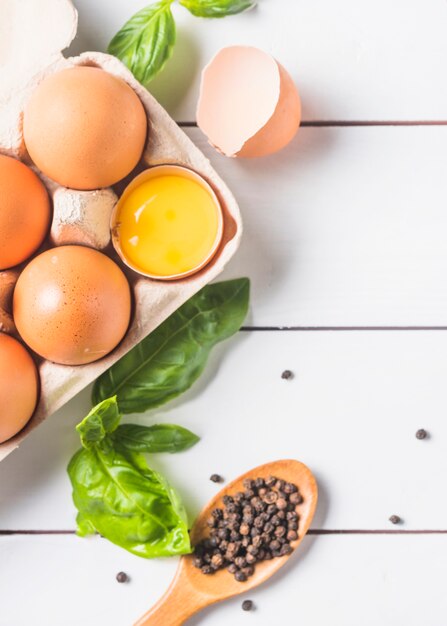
(82, 217)
(19, 384)
(248, 104)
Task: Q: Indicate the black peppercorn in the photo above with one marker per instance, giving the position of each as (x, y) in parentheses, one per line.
(280, 531)
(286, 549)
(207, 569)
(270, 481)
(197, 560)
(292, 535)
(217, 513)
(232, 568)
(287, 375)
(395, 519)
(240, 576)
(274, 545)
(289, 488)
(247, 605)
(281, 503)
(240, 562)
(217, 560)
(270, 497)
(295, 498)
(216, 478)
(269, 527)
(122, 577)
(421, 434)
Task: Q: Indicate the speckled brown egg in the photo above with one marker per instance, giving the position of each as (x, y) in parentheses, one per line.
(72, 305)
(19, 386)
(85, 128)
(24, 212)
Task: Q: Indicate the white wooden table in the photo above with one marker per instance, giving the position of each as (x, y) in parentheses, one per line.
(346, 245)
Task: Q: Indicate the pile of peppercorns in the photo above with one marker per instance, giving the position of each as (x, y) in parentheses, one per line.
(255, 525)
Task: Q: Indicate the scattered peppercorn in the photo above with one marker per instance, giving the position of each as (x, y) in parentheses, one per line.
(216, 478)
(395, 519)
(247, 605)
(287, 375)
(255, 525)
(421, 434)
(122, 577)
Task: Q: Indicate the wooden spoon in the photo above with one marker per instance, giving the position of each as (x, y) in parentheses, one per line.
(191, 591)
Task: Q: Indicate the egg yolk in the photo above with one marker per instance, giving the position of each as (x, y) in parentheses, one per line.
(168, 225)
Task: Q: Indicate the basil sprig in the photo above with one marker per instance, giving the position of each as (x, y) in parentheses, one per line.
(115, 491)
(216, 8)
(147, 39)
(168, 361)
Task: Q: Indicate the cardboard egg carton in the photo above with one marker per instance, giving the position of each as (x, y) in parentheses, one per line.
(33, 34)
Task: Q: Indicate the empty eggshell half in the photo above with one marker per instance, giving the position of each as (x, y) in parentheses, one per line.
(248, 104)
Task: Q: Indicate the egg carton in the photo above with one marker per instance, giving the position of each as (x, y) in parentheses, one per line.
(33, 34)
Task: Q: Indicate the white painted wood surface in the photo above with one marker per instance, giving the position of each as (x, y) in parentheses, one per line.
(348, 413)
(346, 227)
(367, 60)
(341, 580)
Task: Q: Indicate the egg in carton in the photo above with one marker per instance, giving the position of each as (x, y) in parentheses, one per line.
(33, 34)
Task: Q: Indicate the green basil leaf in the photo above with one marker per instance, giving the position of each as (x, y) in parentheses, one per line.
(217, 8)
(172, 357)
(146, 41)
(152, 439)
(102, 420)
(129, 504)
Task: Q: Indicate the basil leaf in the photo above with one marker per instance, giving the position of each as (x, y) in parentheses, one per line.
(129, 504)
(157, 438)
(172, 357)
(217, 8)
(102, 419)
(146, 41)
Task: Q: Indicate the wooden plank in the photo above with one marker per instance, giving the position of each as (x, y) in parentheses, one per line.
(340, 580)
(346, 227)
(373, 60)
(350, 412)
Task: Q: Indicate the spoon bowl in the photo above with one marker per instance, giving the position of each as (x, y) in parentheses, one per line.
(191, 590)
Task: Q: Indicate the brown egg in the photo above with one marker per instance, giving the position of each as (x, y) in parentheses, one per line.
(85, 128)
(19, 384)
(72, 305)
(24, 212)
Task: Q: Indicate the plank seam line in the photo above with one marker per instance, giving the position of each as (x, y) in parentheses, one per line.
(312, 531)
(351, 123)
(341, 328)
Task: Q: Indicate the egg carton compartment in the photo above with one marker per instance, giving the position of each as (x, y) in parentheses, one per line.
(83, 217)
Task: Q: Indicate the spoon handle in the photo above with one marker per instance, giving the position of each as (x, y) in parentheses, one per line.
(178, 604)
